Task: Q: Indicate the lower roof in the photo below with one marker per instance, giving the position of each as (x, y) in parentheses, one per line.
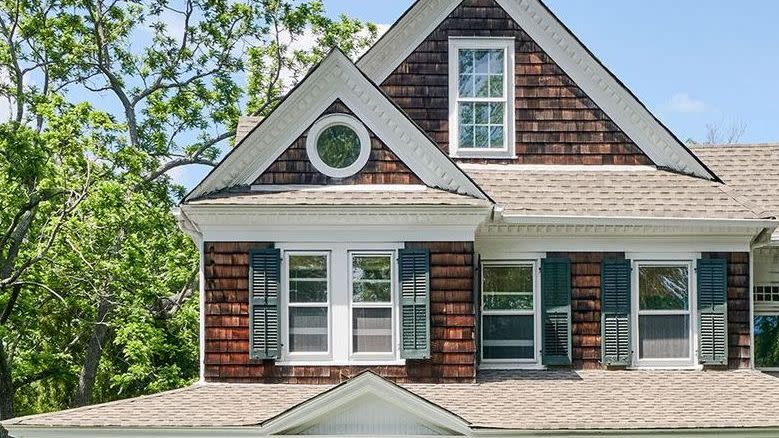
(517, 400)
(609, 191)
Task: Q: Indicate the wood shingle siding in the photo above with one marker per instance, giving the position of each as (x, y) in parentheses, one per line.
(227, 322)
(294, 167)
(556, 123)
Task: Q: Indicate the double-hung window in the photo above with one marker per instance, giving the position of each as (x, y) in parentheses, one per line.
(339, 304)
(372, 304)
(509, 302)
(308, 309)
(663, 309)
(481, 101)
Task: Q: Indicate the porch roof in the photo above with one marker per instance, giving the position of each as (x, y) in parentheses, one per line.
(517, 400)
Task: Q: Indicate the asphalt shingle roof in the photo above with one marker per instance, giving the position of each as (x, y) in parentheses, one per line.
(525, 400)
(343, 196)
(642, 192)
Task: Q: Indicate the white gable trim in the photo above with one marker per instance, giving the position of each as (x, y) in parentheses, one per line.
(336, 78)
(307, 413)
(567, 51)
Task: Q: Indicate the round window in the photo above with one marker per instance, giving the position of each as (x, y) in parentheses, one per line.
(338, 145)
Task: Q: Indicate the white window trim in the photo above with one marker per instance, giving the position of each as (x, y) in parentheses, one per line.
(285, 304)
(663, 260)
(509, 147)
(332, 120)
(340, 308)
(535, 363)
(393, 305)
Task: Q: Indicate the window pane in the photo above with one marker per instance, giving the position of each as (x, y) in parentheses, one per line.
(308, 291)
(508, 279)
(338, 146)
(307, 329)
(482, 113)
(496, 85)
(496, 61)
(301, 266)
(766, 341)
(466, 113)
(466, 86)
(664, 336)
(481, 137)
(466, 61)
(307, 279)
(481, 61)
(466, 136)
(372, 330)
(481, 85)
(496, 137)
(508, 337)
(372, 279)
(663, 288)
(496, 114)
(508, 301)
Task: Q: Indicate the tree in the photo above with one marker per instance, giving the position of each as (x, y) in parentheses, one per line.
(137, 89)
(720, 134)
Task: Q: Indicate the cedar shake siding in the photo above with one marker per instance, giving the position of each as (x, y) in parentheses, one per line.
(227, 323)
(294, 167)
(556, 123)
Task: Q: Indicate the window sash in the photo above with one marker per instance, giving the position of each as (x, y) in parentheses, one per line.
(533, 266)
(353, 305)
(288, 255)
(689, 313)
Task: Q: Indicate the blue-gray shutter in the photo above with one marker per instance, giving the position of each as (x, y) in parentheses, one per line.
(713, 311)
(556, 311)
(414, 267)
(264, 303)
(615, 310)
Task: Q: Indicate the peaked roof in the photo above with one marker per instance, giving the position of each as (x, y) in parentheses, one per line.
(336, 77)
(611, 95)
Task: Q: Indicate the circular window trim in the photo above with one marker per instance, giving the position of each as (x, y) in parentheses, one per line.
(332, 120)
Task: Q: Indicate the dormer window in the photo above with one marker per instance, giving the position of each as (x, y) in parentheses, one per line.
(481, 102)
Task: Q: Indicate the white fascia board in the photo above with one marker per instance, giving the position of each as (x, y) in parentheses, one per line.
(336, 77)
(566, 50)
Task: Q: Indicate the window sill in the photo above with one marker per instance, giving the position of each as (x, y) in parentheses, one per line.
(511, 366)
(665, 368)
(323, 363)
(483, 155)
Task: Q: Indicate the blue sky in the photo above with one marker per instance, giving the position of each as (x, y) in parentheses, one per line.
(691, 62)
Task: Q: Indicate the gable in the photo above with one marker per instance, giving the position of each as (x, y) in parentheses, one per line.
(335, 78)
(555, 121)
(294, 166)
(570, 109)
(367, 405)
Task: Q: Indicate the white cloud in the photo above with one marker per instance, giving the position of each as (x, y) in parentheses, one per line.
(684, 103)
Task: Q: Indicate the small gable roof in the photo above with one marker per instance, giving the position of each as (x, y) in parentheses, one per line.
(602, 86)
(336, 77)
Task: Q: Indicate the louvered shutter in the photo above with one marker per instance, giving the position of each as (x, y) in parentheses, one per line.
(264, 303)
(615, 309)
(713, 311)
(556, 311)
(414, 267)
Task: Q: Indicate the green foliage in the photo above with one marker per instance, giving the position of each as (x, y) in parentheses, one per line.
(108, 98)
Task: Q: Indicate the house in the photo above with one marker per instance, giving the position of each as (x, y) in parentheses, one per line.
(475, 230)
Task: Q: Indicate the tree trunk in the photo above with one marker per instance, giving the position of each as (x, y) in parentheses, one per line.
(93, 354)
(6, 387)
